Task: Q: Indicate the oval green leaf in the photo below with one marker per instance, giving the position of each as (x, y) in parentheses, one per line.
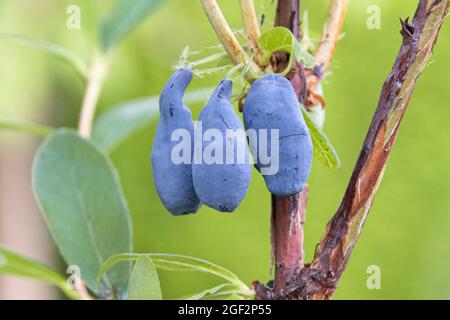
(281, 39)
(324, 151)
(79, 193)
(144, 281)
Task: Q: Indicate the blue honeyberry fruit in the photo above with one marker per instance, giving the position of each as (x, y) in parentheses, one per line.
(173, 180)
(272, 104)
(221, 183)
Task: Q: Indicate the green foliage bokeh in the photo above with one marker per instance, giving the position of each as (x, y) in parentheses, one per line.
(407, 232)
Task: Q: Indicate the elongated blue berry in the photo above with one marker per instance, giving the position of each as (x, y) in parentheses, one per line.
(272, 104)
(173, 180)
(222, 178)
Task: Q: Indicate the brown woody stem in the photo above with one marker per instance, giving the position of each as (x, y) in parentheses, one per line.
(288, 218)
(343, 231)
(288, 213)
(288, 15)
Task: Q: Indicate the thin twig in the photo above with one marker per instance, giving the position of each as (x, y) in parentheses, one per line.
(95, 79)
(332, 31)
(226, 35)
(251, 27)
(343, 231)
(330, 36)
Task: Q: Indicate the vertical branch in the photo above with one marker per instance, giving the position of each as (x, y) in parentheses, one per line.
(288, 218)
(288, 213)
(343, 231)
(288, 15)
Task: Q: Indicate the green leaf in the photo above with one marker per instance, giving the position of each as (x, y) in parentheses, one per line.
(14, 264)
(27, 127)
(144, 282)
(324, 151)
(80, 194)
(281, 39)
(275, 39)
(301, 54)
(125, 17)
(174, 262)
(116, 125)
(50, 48)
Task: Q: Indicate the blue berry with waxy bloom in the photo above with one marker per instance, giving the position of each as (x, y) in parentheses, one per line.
(173, 181)
(272, 104)
(222, 178)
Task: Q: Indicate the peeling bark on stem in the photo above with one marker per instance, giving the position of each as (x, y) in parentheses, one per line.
(343, 231)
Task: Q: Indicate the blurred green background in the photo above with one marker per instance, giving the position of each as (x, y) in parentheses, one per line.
(408, 231)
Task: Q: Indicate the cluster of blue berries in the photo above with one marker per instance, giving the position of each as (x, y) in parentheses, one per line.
(270, 104)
